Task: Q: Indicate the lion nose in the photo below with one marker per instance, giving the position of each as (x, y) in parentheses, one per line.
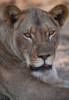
(44, 57)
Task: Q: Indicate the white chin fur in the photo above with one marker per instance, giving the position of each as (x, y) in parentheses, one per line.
(50, 76)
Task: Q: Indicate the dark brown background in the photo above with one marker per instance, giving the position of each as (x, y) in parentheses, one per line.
(62, 55)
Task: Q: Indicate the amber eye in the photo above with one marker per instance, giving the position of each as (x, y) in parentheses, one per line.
(27, 35)
(51, 33)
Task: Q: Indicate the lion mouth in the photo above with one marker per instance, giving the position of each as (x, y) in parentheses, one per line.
(42, 67)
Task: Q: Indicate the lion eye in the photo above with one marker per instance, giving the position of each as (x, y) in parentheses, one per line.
(51, 33)
(27, 35)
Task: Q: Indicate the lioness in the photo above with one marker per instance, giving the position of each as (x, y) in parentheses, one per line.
(29, 38)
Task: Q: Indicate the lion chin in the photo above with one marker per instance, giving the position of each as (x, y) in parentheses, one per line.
(48, 75)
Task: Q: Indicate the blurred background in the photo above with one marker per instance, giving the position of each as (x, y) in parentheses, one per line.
(62, 55)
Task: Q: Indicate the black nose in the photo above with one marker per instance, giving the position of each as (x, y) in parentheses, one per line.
(44, 57)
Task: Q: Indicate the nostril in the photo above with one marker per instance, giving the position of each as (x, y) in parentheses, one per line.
(44, 57)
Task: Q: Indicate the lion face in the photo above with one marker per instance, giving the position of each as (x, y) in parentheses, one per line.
(36, 34)
(39, 38)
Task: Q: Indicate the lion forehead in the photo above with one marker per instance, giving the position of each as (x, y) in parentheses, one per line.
(37, 18)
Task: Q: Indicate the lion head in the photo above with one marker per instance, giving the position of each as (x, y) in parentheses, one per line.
(34, 35)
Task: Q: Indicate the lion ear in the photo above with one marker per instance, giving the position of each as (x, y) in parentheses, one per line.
(11, 13)
(59, 13)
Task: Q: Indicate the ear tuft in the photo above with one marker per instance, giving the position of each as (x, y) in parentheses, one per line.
(12, 13)
(59, 13)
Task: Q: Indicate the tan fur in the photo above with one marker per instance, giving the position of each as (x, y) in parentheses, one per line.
(24, 37)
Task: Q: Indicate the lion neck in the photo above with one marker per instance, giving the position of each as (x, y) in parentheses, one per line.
(6, 37)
